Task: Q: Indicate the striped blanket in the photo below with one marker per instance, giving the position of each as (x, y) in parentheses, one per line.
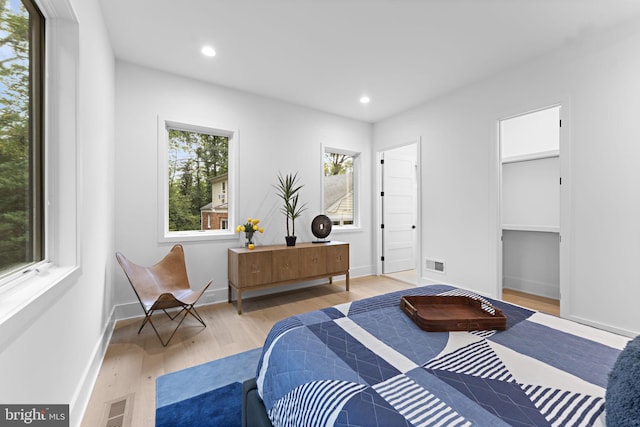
(366, 363)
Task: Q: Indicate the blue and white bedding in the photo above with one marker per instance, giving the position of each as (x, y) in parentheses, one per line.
(365, 363)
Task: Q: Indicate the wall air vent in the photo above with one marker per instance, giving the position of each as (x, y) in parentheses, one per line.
(434, 265)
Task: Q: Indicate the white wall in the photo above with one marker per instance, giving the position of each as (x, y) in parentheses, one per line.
(596, 83)
(274, 136)
(531, 193)
(531, 133)
(54, 358)
(531, 262)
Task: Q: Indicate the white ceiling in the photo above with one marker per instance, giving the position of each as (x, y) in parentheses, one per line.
(325, 54)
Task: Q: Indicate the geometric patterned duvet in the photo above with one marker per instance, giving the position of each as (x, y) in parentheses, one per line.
(365, 363)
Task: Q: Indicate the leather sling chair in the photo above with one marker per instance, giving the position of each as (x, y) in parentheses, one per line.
(163, 286)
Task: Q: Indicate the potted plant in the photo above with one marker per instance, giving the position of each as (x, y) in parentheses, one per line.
(288, 190)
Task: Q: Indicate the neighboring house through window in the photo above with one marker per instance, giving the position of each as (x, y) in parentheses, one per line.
(215, 214)
(21, 143)
(340, 195)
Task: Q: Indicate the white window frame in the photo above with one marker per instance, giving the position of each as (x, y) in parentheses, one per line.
(26, 293)
(200, 126)
(357, 166)
(28, 268)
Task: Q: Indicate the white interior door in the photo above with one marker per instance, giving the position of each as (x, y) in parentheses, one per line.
(399, 209)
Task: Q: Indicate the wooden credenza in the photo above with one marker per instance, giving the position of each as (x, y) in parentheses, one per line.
(270, 266)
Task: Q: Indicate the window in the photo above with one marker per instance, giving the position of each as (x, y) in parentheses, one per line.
(340, 186)
(21, 145)
(198, 175)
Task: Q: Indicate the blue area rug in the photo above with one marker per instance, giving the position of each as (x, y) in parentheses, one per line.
(205, 395)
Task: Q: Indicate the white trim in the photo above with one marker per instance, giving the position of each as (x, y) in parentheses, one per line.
(23, 301)
(341, 229)
(539, 228)
(566, 210)
(604, 326)
(132, 310)
(495, 206)
(201, 126)
(57, 9)
(195, 236)
(377, 214)
(82, 395)
(62, 152)
(542, 289)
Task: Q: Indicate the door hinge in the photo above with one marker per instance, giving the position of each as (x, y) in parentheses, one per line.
(382, 258)
(560, 122)
(382, 194)
(381, 225)
(382, 161)
(560, 180)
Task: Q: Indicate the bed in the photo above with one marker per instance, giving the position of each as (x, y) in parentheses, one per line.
(365, 363)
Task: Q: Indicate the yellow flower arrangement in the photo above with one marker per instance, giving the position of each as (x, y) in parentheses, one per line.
(250, 227)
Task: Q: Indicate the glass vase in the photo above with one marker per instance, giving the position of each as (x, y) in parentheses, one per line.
(248, 239)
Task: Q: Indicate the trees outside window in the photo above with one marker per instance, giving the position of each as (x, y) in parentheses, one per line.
(21, 146)
(198, 179)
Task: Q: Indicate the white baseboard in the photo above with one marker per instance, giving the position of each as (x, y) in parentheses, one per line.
(604, 326)
(132, 309)
(82, 395)
(430, 281)
(220, 295)
(547, 290)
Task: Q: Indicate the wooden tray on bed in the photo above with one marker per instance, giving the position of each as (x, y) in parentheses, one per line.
(439, 313)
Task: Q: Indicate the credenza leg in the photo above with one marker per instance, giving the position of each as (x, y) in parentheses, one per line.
(347, 281)
(239, 301)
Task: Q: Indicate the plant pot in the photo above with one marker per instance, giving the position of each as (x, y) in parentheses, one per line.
(291, 240)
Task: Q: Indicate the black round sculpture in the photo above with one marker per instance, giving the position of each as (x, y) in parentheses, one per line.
(321, 227)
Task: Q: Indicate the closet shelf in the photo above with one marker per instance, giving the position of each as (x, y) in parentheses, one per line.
(531, 156)
(539, 228)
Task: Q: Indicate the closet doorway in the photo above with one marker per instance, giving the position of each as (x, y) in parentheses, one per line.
(530, 183)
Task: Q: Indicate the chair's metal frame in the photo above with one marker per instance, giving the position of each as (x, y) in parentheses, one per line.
(163, 286)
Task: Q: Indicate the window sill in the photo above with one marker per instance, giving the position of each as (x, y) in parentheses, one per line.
(197, 236)
(345, 229)
(26, 298)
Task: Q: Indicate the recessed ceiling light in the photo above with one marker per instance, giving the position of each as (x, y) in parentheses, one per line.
(208, 51)
(365, 100)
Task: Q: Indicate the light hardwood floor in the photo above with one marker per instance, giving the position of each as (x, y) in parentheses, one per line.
(545, 305)
(133, 362)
